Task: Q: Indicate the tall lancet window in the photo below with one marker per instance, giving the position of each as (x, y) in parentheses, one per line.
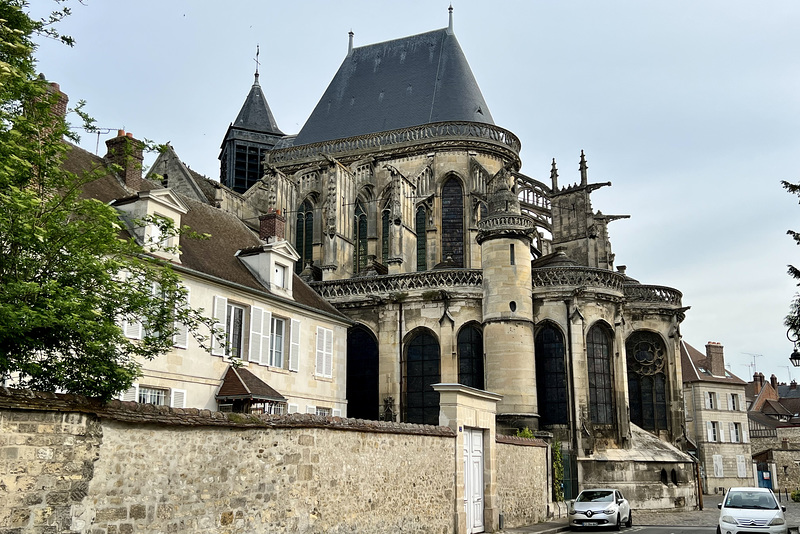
(359, 238)
(385, 225)
(647, 380)
(304, 235)
(422, 237)
(551, 376)
(453, 222)
(601, 386)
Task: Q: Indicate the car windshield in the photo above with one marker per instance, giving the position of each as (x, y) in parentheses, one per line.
(753, 500)
(596, 496)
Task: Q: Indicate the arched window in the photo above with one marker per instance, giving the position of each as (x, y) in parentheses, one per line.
(304, 235)
(422, 370)
(601, 385)
(363, 400)
(647, 381)
(551, 376)
(453, 222)
(470, 357)
(422, 236)
(359, 238)
(385, 235)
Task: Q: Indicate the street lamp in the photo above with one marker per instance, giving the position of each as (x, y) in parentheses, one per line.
(794, 338)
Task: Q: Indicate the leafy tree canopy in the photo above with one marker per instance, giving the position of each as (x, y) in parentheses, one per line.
(69, 279)
(792, 320)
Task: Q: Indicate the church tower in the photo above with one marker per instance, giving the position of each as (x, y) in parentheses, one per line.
(248, 139)
(505, 236)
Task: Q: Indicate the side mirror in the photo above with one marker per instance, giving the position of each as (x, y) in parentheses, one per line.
(719, 505)
(783, 507)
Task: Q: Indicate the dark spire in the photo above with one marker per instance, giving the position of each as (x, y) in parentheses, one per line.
(257, 63)
(350, 44)
(554, 175)
(255, 114)
(583, 167)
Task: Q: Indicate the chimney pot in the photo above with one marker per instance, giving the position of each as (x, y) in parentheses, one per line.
(716, 358)
(127, 152)
(273, 225)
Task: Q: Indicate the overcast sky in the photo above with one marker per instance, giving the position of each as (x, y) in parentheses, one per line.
(690, 108)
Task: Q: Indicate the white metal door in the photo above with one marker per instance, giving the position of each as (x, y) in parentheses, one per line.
(473, 479)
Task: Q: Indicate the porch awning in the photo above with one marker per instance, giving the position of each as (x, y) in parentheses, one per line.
(242, 384)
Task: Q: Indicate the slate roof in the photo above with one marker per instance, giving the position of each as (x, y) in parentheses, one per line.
(214, 256)
(406, 82)
(242, 384)
(696, 368)
(255, 114)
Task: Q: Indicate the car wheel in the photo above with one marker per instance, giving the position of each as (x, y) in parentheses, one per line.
(629, 522)
(619, 522)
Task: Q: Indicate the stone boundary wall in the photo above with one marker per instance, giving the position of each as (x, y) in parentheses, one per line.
(71, 464)
(522, 480)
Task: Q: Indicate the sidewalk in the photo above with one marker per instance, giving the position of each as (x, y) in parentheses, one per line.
(707, 517)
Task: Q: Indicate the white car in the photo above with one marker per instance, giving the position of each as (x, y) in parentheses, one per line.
(600, 507)
(751, 510)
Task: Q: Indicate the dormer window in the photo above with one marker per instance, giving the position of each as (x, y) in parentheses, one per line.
(279, 275)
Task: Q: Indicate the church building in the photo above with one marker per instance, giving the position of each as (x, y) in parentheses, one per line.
(406, 206)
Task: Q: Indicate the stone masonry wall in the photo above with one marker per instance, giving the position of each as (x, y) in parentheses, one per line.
(69, 464)
(522, 482)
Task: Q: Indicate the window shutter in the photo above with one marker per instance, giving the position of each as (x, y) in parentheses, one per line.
(311, 409)
(709, 431)
(328, 353)
(132, 329)
(732, 431)
(337, 412)
(740, 404)
(130, 395)
(256, 334)
(181, 337)
(220, 313)
(708, 401)
(320, 351)
(294, 408)
(294, 348)
(721, 433)
(178, 398)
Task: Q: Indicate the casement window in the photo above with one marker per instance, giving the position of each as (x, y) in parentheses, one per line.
(711, 400)
(231, 319)
(279, 275)
(712, 430)
(268, 407)
(324, 365)
(738, 433)
(176, 398)
(276, 343)
(734, 402)
(293, 408)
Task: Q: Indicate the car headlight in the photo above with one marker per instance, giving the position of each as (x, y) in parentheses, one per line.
(610, 510)
(728, 519)
(777, 521)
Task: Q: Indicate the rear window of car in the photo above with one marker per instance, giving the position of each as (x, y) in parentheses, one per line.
(752, 500)
(595, 496)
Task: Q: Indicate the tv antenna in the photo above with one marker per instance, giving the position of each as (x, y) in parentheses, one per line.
(754, 356)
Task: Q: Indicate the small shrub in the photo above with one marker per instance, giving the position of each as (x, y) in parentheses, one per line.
(796, 495)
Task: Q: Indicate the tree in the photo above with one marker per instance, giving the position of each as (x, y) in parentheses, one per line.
(792, 320)
(69, 279)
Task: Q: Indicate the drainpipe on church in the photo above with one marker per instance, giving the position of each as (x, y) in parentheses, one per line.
(571, 411)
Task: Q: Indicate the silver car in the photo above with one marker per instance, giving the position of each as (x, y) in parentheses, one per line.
(751, 510)
(600, 507)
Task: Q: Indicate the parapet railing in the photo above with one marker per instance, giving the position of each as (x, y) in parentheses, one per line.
(381, 140)
(399, 283)
(577, 277)
(655, 294)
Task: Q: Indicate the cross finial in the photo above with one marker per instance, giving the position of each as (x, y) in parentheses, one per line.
(256, 60)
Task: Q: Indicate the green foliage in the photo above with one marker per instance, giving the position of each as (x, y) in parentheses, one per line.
(558, 472)
(67, 278)
(795, 495)
(525, 433)
(792, 320)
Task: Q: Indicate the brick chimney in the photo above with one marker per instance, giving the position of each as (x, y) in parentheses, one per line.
(273, 226)
(127, 152)
(715, 358)
(59, 107)
(773, 380)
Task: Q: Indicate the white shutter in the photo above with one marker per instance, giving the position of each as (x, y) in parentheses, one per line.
(708, 401)
(741, 466)
(337, 412)
(293, 408)
(311, 409)
(132, 329)
(709, 431)
(266, 342)
(732, 431)
(320, 351)
(181, 337)
(294, 347)
(220, 315)
(256, 334)
(719, 472)
(130, 395)
(721, 433)
(177, 398)
(328, 353)
(740, 404)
